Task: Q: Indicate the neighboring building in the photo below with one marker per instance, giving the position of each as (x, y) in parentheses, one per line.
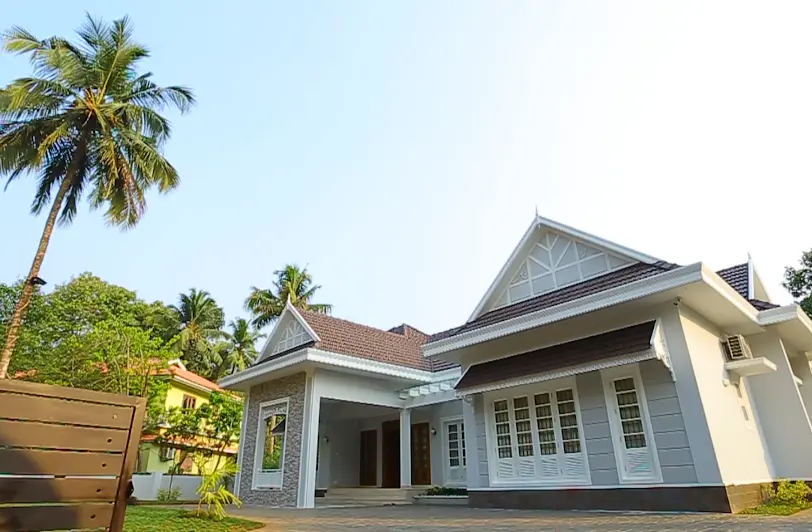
(589, 376)
(186, 390)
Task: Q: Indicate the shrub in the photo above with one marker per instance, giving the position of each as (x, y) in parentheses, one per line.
(214, 494)
(440, 490)
(789, 493)
(168, 495)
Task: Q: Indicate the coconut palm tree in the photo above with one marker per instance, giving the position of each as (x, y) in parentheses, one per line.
(292, 284)
(200, 321)
(86, 124)
(238, 351)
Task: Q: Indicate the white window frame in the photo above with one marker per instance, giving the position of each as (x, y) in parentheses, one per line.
(608, 376)
(508, 394)
(444, 423)
(265, 480)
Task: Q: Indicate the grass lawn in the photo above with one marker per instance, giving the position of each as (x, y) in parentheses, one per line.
(150, 519)
(776, 509)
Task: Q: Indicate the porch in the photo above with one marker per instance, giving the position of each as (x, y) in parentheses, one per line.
(379, 453)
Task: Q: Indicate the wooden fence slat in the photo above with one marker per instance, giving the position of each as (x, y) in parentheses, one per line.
(31, 490)
(36, 462)
(23, 434)
(128, 466)
(57, 517)
(78, 394)
(33, 408)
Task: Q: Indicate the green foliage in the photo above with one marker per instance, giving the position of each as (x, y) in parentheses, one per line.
(798, 282)
(200, 321)
(786, 498)
(788, 492)
(292, 284)
(213, 493)
(87, 333)
(442, 490)
(89, 120)
(167, 495)
(201, 432)
(152, 519)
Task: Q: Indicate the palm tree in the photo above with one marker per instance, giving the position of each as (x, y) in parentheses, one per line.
(87, 123)
(292, 284)
(200, 321)
(238, 351)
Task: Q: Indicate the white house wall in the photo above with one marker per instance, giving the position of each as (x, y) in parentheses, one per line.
(801, 369)
(741, 454)
(343, 449)
(357, 389)
(783, 417)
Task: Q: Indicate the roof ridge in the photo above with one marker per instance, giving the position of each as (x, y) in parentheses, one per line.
(336, 318)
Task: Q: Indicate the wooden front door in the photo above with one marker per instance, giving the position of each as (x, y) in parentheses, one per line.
(390, 454)
(421, 454)
(368, 476)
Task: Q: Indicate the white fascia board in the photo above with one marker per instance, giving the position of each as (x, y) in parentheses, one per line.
(621, 294)
(562, 228)
(264, 368)
(713, 279)
(192, 385)
(371, 366)
(785, 313)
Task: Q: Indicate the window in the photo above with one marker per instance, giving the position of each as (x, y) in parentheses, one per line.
(456, 460)
(634, 448)
(537, 437)
(270, 451)
(189, 402)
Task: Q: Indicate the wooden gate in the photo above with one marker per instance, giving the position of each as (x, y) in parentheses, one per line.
(66, 457)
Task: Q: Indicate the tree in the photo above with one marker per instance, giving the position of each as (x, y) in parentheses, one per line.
(86, 123)
(798, 282)
(238, 351)
(292, 284)
(200, 322)
(83, 326)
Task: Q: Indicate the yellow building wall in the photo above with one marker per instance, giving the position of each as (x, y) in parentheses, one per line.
(150, 453)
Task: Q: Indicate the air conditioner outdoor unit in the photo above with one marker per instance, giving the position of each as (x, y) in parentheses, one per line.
(736, 347)
(167, 453)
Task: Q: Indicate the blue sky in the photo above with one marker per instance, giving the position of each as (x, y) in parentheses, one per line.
(400, 148)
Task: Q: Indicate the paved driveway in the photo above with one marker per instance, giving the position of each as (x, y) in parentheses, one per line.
(459, 519)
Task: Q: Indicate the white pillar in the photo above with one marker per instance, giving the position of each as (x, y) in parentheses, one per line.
(471, 451)
(405, 448)
(309, 444)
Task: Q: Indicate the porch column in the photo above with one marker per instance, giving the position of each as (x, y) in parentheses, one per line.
(472, 452)
(405, 448)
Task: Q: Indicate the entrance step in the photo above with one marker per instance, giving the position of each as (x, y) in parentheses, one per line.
(369, 496)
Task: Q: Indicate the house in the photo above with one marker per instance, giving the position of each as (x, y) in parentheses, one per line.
(589, 376)
(186, 390)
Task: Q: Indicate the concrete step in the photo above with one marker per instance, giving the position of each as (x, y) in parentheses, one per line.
(376, 495)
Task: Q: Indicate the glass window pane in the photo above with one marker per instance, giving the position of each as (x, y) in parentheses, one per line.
(274, 442)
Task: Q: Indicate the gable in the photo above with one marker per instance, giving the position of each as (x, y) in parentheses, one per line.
(290, 331)
(551, 256)
(556, 260)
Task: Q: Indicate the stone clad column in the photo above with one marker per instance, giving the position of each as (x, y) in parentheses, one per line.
(405, 448)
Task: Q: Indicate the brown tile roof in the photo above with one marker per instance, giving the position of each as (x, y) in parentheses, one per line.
(630, 340)
(400, 345)
(598, 284)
